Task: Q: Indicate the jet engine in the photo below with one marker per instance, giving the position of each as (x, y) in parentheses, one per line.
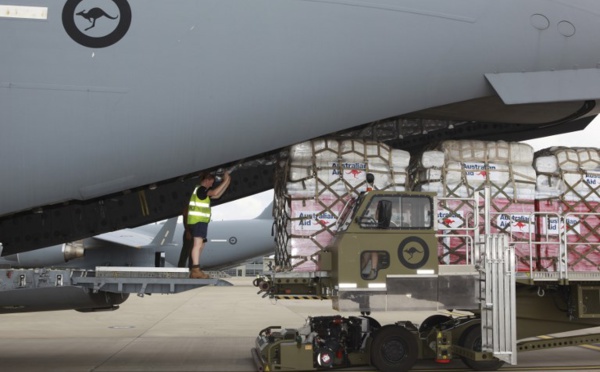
(59, 298)
(49, 256)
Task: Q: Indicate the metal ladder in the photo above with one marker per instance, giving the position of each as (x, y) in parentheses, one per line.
(498, 303)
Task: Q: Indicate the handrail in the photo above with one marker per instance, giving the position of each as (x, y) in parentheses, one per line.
(547, 230)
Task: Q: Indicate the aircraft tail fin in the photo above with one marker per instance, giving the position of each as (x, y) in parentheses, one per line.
(267, 213)
(165, 235)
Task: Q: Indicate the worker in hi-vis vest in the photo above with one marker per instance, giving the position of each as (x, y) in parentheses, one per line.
(199, 216)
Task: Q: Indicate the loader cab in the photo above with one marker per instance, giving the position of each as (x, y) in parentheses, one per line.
(384, 257)
(382, 235)
(385, 233)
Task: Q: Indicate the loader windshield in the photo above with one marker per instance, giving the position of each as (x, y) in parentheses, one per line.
(398, 211)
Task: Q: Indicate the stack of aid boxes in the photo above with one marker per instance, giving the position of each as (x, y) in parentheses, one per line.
(568, 196)
(460, 169)
(314, 183)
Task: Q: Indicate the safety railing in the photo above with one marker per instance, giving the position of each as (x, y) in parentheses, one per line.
(549, 246)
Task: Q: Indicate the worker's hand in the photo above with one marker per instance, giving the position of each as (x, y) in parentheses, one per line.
(226, 175)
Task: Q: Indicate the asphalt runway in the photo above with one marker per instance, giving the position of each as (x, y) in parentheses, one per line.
(207, 329)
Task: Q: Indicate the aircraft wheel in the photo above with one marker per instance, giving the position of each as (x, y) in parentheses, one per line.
(394, 349)
(471, 339)
(431, 322)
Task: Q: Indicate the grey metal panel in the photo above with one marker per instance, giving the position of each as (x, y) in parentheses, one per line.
(413, 293)
(360, 301)
(547, 86)
(403, 293)
(458, 292)
(144, 285)
(498, 293)
(416, 293)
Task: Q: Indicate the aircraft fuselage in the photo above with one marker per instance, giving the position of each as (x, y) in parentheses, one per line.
(101, 97)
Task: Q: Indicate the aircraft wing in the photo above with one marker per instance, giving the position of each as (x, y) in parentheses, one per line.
(128, 238)
(135, 239)
(546, 86)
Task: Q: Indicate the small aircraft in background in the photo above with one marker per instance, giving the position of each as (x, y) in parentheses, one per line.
(230, 243)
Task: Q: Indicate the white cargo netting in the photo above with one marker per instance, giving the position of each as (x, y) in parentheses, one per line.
(314, 183)
(568, 193)
(458, 170)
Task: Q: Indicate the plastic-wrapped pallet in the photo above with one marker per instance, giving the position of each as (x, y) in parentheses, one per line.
(483, 151)
(568, 193)
(468, 167)
(316, 181)
(308, 157)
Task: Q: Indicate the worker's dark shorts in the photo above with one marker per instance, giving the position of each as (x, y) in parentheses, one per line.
(200, 230)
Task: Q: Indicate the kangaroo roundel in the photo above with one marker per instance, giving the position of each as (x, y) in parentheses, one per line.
(413, 252)
(96, 24)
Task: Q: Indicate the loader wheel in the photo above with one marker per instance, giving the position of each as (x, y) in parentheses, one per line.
(394, 349)
(471, 339)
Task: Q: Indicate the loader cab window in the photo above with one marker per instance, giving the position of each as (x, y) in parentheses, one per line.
(377, 215)
(371, 262)
(347, 214)
(398, 212)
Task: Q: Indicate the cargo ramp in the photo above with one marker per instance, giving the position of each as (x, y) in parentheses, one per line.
(102, 289)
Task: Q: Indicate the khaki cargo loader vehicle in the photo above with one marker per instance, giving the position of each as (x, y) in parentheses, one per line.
(384, 257)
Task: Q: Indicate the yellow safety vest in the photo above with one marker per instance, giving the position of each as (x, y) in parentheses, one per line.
(199, 209)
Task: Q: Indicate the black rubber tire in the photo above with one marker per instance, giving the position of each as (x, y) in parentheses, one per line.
(432, 321)
(471, 339)
(394, 349)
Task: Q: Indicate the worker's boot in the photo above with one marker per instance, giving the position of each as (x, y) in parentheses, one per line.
(372, 275)
(196, 273)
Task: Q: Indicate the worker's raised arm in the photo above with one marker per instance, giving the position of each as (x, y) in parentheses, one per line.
(219, 190)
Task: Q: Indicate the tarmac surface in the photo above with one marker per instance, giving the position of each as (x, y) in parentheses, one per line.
(207, 329)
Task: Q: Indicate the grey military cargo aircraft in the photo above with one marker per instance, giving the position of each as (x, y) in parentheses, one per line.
(110, 107)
